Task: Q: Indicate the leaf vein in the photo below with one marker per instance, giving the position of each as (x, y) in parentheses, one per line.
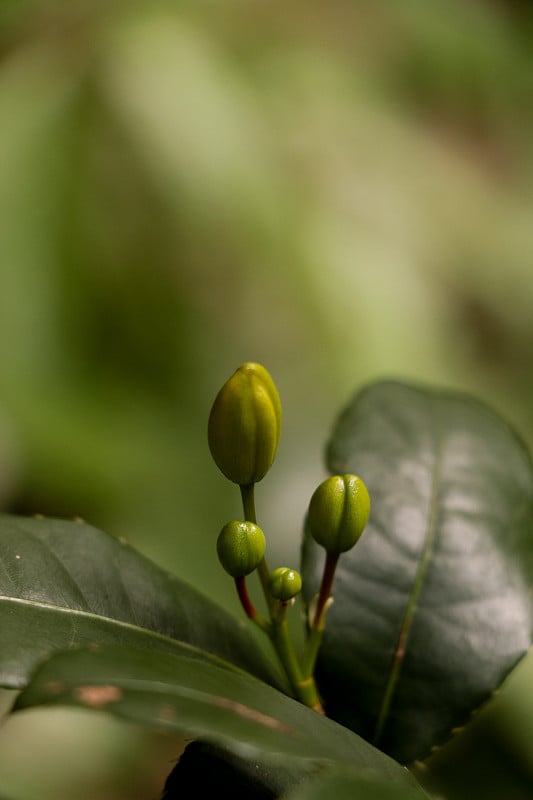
(428, 542)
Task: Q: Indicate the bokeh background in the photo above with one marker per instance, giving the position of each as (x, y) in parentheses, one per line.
(341, 190)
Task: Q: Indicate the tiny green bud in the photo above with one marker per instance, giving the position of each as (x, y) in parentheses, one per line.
(245, 425)
(338, 512)
(240, 547)
(284, 583)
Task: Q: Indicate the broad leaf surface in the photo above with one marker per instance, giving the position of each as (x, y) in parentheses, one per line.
(199, 699)
(433, 606)
(64, 584)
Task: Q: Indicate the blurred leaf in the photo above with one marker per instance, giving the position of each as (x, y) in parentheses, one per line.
(189, 695)
(65, 583)
(208, 770)
(493, 751)
(433, 606)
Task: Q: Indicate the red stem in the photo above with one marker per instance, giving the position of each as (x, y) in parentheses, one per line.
(244, 597)
(325, 587)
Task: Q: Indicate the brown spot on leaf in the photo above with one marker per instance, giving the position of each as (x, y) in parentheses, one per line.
(250, 713)
(94, 647)
(166, 712)
(97, 696)
(55, 687)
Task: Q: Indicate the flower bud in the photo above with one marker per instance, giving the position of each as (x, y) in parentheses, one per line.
(284, 583)
(245, 425)
(240, 547)
(338, 512)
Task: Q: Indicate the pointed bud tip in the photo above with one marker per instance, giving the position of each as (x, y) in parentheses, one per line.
(244, 425)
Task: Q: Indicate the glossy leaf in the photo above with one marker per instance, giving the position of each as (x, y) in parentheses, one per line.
(198, 699)
(433, 606)
(64, 584)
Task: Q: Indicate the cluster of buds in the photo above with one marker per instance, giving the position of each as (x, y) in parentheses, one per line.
(243, 434)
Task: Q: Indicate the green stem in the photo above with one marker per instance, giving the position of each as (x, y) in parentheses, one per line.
(312, 646)
(304, 688)
(248, 506)
(248, 502)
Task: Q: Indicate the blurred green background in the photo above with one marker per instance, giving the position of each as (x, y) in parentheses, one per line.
(342, 191)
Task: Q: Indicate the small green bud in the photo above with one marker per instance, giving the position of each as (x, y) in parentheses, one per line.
(284, 583)
(338, 512)
(240, 547)
(245, 425)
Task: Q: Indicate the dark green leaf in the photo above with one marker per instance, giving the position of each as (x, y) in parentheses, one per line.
(343, 783)
(64, 584)
(207, 771)
(433, 606)
(211, 770)
(199, 699)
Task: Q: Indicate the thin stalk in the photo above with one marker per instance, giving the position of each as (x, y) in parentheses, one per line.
(249, 608)
(318, 620)
(312, 646)
(325, 590)
(248, 506)
(304, 688)
(248, 502)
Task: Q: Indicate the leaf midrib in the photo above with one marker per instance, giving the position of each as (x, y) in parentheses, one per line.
(196, 652)
(429, 539)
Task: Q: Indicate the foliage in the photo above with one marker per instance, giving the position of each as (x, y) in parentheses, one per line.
(432, 610)
(343, 189)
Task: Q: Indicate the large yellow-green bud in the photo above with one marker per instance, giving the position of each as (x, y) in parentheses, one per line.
(338, 512)
(245, 425)
(284, 583)
(240, 547)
